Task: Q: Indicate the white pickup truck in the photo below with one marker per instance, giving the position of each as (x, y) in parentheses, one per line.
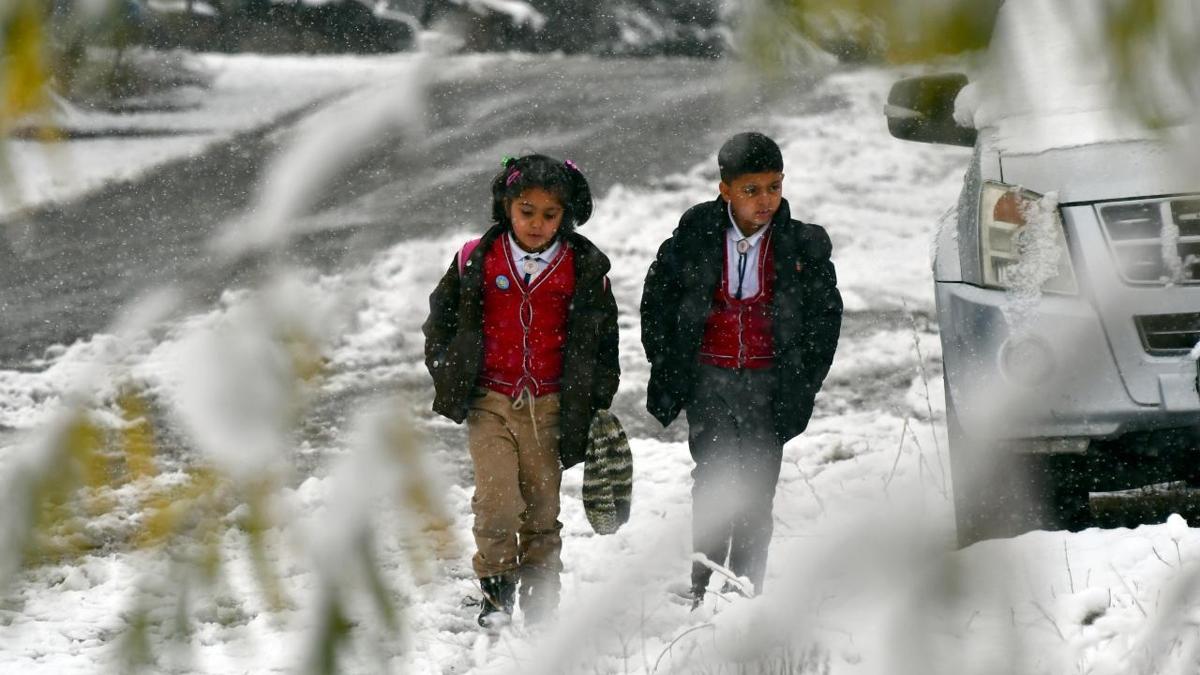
(1067, 279)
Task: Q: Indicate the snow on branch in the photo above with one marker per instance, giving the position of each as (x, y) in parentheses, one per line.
(520, 13)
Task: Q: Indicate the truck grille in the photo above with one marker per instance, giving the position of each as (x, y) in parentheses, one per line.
(1155, 241)
(1164, 334)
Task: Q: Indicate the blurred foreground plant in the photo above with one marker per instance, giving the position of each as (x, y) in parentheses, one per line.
(43, 48)
(24, 59)
(1138, 37)
(187, 479)
(89, 467)
(897, 31)
(24, 74)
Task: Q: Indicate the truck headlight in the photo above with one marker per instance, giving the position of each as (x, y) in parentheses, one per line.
(1023, 245)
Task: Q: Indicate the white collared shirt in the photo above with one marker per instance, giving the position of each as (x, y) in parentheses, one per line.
(542, 259)
(750, 278)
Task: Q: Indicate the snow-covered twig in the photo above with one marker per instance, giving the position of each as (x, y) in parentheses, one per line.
(899, 448)
(1038, 246)
(1129, 590)
(813, 489)
(519, 13)
(943, 488)
(642, 619)
(1176, 528)
(1158, 555)
(1169, 239)
(742, 587)
(1067, 558)
(672, 643)
(1053, 623)
(937, 446)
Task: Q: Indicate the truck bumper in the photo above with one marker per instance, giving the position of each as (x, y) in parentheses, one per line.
(1053, 377)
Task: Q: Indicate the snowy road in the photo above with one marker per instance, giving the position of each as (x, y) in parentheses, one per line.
(628, 122)
(632, 123)
(861, 581)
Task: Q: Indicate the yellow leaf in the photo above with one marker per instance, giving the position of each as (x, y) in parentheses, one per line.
(171, 510)
(25, 73)
(137, 439)
(257, 524)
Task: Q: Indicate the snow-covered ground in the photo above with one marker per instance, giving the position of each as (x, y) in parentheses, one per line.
(861, 578)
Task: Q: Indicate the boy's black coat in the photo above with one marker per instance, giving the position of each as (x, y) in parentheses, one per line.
(678, 296)
(591, 369)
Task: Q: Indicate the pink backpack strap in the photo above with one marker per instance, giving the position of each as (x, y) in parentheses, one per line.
(465, 253)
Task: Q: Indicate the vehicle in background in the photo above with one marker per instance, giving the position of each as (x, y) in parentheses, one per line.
(1067, 280)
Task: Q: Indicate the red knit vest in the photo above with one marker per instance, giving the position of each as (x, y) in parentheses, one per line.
(524, 328)
(739, 333)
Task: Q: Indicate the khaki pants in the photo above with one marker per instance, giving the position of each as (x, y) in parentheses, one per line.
(517, 481)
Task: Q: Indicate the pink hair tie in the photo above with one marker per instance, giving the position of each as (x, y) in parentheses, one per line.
(512, 178)
(571, 165)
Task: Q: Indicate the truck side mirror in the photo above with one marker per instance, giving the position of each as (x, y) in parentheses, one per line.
(922, 109)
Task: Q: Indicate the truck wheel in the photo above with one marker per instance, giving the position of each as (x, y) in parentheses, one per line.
(999, 492)
(1191, 458)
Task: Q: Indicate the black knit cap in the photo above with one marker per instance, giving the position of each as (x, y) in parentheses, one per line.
(748, 152)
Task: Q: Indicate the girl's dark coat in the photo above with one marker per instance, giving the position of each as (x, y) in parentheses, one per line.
(678, 296)
(591, 370)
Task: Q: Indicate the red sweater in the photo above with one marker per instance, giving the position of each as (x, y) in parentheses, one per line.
(740, 333)
(525, 328)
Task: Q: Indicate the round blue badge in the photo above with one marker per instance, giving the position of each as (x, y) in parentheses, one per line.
(502, 282)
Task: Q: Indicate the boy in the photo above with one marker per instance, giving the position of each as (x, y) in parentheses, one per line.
(740, 320)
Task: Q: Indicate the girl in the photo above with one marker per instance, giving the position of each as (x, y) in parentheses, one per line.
(521, 341)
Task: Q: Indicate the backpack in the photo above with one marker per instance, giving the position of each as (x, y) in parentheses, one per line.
(465, 253)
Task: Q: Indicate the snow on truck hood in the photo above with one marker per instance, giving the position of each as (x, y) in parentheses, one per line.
(1102, 171)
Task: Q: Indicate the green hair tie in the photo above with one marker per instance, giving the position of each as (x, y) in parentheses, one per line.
(505, 160)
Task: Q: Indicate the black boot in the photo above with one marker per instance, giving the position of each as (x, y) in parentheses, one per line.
(730, 588)
(539, 595)
(499, 595)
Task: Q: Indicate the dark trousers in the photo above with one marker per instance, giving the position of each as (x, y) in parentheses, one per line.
(732, 438)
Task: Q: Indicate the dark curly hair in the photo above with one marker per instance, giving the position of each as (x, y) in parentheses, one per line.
(561, 179)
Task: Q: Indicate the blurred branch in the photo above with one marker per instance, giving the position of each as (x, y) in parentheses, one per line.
(915, 31)
(1153, 46)
(24, 58)
(44, 49)
(244, 390)
(1136, 29)
(898, 31)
